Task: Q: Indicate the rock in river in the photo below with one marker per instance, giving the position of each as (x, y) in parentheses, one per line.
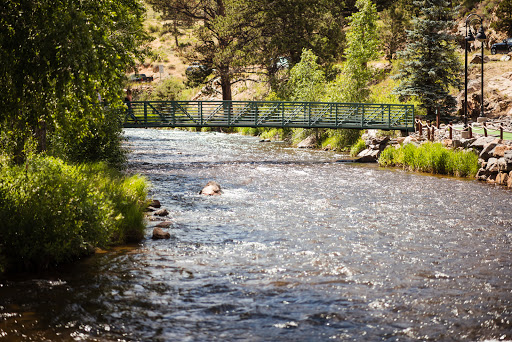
(212, 188)
(161, 212)
(164, 224)
(158, 233)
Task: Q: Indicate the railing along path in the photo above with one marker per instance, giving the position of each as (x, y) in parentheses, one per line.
(430, 129)
(269, 114)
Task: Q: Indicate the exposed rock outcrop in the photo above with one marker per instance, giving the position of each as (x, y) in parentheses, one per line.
(374, 146)
(495, 160)
(309, 142)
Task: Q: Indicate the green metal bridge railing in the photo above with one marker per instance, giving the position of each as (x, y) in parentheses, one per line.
(269, 114)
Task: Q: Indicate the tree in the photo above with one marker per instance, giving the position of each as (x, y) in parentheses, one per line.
(224, 33)
(307, 80)
(288, 27)
(430, 65)
(362, 45)
(504, 15)
(393, 33)
(57, 58)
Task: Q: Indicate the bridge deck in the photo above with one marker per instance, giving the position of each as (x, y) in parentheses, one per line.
(270, 114)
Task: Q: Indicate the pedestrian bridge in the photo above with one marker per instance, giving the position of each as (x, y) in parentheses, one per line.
(279, 114)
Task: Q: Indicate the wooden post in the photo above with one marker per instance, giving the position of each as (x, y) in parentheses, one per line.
(450, 130)
(420, 128)
(470, 131)
(501, 131)
(485, 129)
(432, 136)
(428, 130)
(438, 118)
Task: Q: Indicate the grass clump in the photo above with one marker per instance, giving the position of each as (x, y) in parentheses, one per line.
(432, 158)
(53, 212)
(357, 148)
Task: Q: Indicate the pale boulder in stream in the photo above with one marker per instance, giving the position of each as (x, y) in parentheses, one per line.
(212, 188)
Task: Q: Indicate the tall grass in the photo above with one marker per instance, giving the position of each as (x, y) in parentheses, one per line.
(358, 147)
(432, 158)
(52, 212)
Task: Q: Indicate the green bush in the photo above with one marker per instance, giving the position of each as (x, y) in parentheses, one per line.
(431, 157)
(341, 139)
(388, 157)
(358, 147)
(53, 213)
(102, 141)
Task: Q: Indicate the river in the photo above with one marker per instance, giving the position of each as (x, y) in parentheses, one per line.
(299, 247)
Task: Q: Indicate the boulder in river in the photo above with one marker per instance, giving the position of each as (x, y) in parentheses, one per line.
(309, 142)
(158, 233)
(212, 188)
(164, 224)
(155, 204)
(161, 212)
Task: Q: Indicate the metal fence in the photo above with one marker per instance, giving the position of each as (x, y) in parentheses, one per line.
(269, 114)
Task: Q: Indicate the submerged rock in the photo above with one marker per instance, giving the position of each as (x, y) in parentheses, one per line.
(212, 188)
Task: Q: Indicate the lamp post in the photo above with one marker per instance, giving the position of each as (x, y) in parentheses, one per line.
(480, 36)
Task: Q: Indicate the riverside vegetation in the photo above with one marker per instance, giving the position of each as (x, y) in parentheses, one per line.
(53, 212)
(431, 157)
(62, 192)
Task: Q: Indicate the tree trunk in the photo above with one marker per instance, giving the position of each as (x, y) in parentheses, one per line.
(40, 134)
(225, 83)
(175, 24)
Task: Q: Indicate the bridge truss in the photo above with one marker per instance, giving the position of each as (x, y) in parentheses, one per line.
(278, 114)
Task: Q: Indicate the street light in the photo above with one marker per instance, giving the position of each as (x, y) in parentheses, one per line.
(481, 37)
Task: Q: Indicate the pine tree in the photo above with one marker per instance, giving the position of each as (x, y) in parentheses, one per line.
(430, 64)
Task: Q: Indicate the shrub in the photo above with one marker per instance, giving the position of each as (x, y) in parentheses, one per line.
(388, 156)
(170, 89)
(102, 141)
(358, 147)
(433, 158)
(53, 213)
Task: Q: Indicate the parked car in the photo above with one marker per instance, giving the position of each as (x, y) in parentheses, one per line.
(504, 47)
(140, 78)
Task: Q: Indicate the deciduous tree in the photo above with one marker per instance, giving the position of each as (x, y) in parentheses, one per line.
(362, 47)
(57, 58)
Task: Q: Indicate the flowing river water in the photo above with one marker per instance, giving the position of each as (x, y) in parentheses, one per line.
(298, 248)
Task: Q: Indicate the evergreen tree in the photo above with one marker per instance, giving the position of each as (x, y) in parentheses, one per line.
(430, 65)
